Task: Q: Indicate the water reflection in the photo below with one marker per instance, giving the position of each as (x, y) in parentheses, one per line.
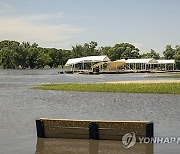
(82, 146)
(22, 105)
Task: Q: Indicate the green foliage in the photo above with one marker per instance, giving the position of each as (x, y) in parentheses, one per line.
(123, 50)
(169, 52)
(151, 54)
(177, 59)
(8, 53)
(8, 60)
(65, 55)
(25, 55)
(88, 49)
(105, 51)
(16, 55)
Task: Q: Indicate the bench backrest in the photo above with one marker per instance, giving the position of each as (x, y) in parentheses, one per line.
(88, 129)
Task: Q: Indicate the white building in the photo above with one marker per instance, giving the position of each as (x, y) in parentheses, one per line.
(150, 63)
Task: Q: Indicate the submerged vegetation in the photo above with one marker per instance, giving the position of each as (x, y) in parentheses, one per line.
(158, 88)
(166, 76)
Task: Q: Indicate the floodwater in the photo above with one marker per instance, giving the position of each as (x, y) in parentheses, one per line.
(20, 106)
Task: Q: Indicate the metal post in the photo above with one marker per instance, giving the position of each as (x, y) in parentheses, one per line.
(150, 130)
(74, 68)
(83, 65)
(93, 131)
(165, 67)
(40, 128)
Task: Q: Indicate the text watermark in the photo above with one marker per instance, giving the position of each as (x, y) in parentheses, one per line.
(130, 139)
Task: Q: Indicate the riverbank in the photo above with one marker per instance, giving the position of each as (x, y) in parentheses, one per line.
(157, 87)
(116, 72)
(166, 76)
(145, 81)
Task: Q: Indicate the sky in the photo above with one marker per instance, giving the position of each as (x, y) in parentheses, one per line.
(147, 24)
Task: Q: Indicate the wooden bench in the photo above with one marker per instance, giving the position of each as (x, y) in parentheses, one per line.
(92, 129)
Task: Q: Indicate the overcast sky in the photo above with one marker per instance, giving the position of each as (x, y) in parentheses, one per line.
(148, 24)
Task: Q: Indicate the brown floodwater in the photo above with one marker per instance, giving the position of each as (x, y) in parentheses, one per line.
(68, 146)
(20, 106)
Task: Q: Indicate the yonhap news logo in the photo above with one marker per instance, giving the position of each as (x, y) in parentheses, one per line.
(129, 140)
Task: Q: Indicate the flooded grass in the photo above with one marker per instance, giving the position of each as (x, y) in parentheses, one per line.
(158, 88)
(166, 76)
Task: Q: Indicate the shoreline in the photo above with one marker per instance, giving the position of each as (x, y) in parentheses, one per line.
(144, 81)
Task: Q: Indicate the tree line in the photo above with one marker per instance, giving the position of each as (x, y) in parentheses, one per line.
(25, 55)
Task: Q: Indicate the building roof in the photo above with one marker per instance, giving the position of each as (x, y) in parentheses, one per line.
(143, 61)
(151, 61)
(87, 59)
(169, 61)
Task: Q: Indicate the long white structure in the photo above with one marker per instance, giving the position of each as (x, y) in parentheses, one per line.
(149, 63)
(141, 61)
(133, 64)
(88, 59)
(169, 61)
(166, 62)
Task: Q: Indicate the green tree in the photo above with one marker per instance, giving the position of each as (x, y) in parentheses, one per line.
(78, 51)
(105, 50)
(55, 56)
(124, 50)
(43, 59)
(177, 56)
(151, 54)
(90, 49)
(9, 52)
(66, 54)
(32, 58)
(8, 60)
(21, 57)
(169, 52)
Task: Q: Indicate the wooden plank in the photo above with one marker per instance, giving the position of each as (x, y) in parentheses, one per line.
(66, 123)
(113, 130)
(123, 125)
(102, 124)
(69, 136)
(75, 130)
(95, 120)
(117, 132)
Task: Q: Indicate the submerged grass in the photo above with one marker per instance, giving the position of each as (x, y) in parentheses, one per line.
(158, 88)
(165, 76)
